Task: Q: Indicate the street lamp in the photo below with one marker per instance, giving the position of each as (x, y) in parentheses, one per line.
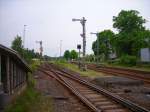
(82, 21)
(97, 44)
(24, 31)
(60, 48)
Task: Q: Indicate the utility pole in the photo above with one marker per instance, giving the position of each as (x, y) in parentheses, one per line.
(83, 35)
(41, 49)
(24, 32)
(97, 49)
(60, 47)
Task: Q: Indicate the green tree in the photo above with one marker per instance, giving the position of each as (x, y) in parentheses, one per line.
(17, 45)
(106, 43)
(89, 58)
(132, 33)
(146, 38)
(73, 54)
(27, 54)
(128, 21)
(67, 55)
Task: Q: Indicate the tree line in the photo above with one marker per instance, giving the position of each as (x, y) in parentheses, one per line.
(69, 55)
(27, 54)
(131, 37)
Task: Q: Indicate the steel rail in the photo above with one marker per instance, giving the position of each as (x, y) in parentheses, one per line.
(74, 91)
(134, 107)
(122, 73)
(141, 74)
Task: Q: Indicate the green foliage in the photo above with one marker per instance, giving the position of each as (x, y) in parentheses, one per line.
(106, 43)
(61, 61)
(17, 45)
(31, 101)
(131, 37)
(113, 62)
(34, 65)
(89, 58)
(24, 102)
(67, 55)
(30, 54)
(27, 54)
(132, 33)
(128, 60)
(146, 38)
(70, 54)
(73, 54)
(131, 43)
(128, 21)
(73, 67)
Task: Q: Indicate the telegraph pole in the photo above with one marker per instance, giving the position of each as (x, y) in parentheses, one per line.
(60, 47)
(83, 35)
(97, 49)
(24, 32)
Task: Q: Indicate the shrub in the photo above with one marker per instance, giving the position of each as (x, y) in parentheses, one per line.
(34, 65)
(113, 61)
(128, 60)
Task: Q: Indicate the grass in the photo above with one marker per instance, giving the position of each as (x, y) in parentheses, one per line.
(137, 67)
(24, 101)
(89, 73)
(142, 67)
(31, 100)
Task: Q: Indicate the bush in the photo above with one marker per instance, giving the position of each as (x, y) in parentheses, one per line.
(112, 61)
(34, 65)
(128, 60)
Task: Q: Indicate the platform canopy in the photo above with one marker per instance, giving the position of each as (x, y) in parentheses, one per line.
(15, 56)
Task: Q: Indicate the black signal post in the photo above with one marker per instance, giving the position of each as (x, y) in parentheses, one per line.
(83, 35)
(79, 63)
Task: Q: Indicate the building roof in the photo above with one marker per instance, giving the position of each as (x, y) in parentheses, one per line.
(13, 54)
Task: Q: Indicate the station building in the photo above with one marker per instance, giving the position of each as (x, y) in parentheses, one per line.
(13, 75)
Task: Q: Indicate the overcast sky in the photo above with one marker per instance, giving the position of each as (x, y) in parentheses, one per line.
(51, 21)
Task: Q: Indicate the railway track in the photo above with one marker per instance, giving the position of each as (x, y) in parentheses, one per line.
(97, 99)
(134, 74)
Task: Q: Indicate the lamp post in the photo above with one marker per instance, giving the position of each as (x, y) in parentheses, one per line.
(60, 47)
(24, 32)
(97, 49)
(83, 35)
